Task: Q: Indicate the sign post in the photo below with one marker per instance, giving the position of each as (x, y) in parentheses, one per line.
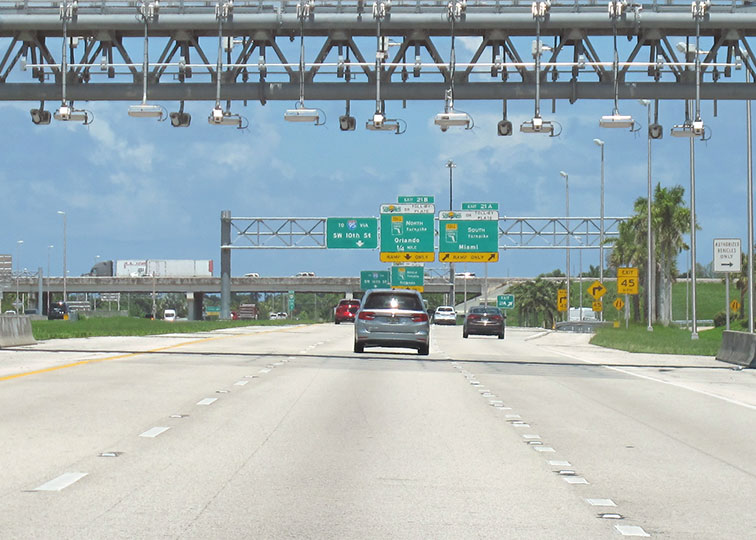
(726, 260)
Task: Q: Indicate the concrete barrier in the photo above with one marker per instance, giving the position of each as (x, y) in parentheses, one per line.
(738, 348)
(15, 330)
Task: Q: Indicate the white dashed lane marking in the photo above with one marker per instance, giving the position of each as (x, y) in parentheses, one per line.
(154, 432)
(240, 383)
(61, 482)
(631, 530)
(207, 401)
(600, 502)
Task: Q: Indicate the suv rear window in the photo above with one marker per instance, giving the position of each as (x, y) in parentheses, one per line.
(392, 300)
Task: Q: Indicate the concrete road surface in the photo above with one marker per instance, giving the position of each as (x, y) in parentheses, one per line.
(284, 432)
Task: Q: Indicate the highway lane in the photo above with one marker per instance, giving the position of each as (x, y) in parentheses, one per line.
(281, 433)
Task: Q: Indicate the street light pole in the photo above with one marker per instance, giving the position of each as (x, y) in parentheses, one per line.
(65, 272)
(750, 208)
(649, 259)
(600, 143)
(49, 249)
(567, 226)
(694, 328)
(19, 243)
(451, 165)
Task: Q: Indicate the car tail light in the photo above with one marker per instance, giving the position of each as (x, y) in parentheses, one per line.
(367, 316)
(420, 317)
(473, 317)
(496, 318)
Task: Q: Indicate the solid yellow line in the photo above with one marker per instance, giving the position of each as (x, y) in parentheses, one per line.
(130, 355)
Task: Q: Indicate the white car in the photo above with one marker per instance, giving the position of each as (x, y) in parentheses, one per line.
(252, 274)
(464, 275)
(169, 315)
(445, 315)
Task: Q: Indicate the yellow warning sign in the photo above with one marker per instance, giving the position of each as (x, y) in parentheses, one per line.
(735, 305)
(598, 306)
(468, 257)
(618, 304)
(596, 289)
(404, 256)
(562, 300)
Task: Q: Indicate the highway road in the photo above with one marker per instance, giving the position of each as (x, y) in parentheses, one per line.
(284, 432)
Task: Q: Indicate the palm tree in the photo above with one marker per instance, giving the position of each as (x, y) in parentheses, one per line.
(670, 221)
(536, 301)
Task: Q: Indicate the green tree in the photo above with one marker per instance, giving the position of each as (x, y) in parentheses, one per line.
(536, 302)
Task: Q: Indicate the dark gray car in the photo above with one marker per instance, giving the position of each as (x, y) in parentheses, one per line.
(485, 320)
(392, 318)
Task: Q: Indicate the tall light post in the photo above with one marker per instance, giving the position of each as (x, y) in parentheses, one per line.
(694, 328)
(451, 166)
(567, 227)
(600, 143)
(49, 249)
(749, 153)
(19, 243)
(649, 259)
(65, 270)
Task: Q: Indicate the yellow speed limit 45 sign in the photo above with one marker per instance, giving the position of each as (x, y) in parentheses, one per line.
(627, 281)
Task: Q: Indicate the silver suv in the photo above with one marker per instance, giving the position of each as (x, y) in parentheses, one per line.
(392, 318)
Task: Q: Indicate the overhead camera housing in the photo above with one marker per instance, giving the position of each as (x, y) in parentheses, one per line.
(617, 121)
(145, 110)
(40, 117)
(302, 115)
(688, 129)
(656, 131)
(347, 123)
(381, 123)
(220, 118)
(537, 125)
(504, 128)
(66, 113)
(445, 120)
(180, 119)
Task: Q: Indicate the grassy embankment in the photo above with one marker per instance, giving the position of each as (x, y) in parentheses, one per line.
(133, 326)
(663, 340)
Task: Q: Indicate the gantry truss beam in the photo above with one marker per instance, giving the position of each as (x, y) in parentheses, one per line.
(258, 62)
(514, 232)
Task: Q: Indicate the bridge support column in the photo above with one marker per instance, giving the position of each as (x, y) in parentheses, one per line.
(194, 305)
(225, 265)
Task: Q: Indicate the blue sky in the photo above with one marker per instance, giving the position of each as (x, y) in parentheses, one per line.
(136, 188)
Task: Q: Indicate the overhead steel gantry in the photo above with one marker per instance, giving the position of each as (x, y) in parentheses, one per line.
(240, 50)
(240, 233)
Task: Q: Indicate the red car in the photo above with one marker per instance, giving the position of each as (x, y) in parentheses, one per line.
(346, 311)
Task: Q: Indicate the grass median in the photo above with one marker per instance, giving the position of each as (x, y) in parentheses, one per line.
(133, 326)
(663, 340)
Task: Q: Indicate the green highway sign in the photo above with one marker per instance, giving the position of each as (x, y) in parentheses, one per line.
(408, 277)
(480, 206)
(375, 279)
(468, 236)
(351, 233)
(407, 232)
(505, 301)
(417, 199)
(291, 301)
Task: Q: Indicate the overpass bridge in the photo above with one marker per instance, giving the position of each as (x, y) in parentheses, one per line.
(196, 288)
